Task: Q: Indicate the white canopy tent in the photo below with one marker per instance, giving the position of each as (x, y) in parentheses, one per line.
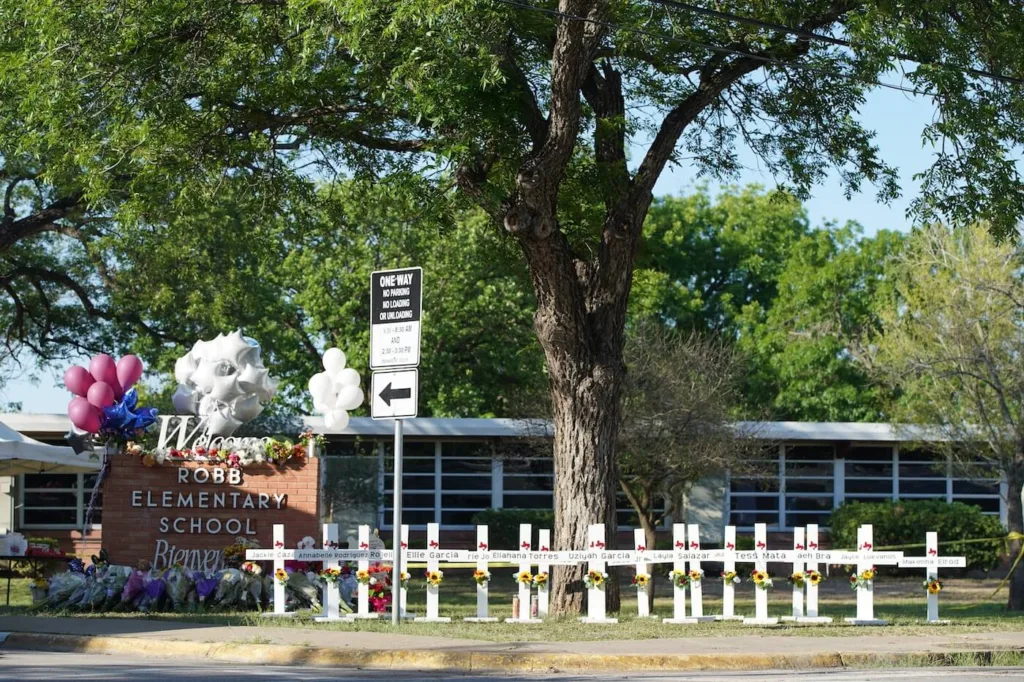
(20, 454)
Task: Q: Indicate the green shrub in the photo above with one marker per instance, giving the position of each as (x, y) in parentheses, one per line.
(905, 522)
(503, 525)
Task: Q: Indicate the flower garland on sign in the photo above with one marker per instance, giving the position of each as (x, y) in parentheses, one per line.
(797, 579)
(762, 579)
(256, 451)
(524, 578)
(932, 585)
(541, 580)
(642, 580)
(434, 578)
(730, 577)
(865, 579)
(482, 577)
(814, 578)
(595, 579)
(679, 578)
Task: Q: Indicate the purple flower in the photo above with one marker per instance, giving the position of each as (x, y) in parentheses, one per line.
(155, 588)
(205, 586)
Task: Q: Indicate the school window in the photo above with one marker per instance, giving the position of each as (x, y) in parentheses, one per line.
(57, 501)
(809, 477)
(528, 482)
(466, 481)
(419, 484)
(869, 473)
(754, 492)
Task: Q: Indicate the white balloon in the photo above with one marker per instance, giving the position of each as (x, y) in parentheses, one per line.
(205, 375)
(247, 409)
(349, 398)
(347, 377)
(183, 368)
(225, 388)
(185, 400)
(336, 419)
(222, 424)
(334, 361)
(321, 407)
(320, 384)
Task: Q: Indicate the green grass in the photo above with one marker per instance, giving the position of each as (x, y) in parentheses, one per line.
(902, 602)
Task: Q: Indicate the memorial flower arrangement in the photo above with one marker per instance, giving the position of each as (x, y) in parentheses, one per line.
(797, 579)
(595, 579)
(281, 576)
(642, 580)
(252, 568)
(679, 578)
(331, 575)
(932, 585)
(234, 554)
(434, 578)
(695, 576)
(762, 579)
(730, 577)
(541, 580)
(481, 577)
(865, 579)
(814, 577)
(363, 577)
(524, 578)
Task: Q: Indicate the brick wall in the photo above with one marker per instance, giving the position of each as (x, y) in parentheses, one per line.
(134, 499)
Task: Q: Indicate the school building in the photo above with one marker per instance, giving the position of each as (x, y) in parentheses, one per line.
(454, 468)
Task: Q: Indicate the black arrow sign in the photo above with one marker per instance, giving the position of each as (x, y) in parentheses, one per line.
(396, 393)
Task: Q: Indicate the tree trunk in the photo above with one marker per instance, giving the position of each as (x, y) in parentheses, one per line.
(586, 419)
(1015, 523)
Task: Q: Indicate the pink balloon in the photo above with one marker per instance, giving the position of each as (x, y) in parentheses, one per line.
(83, 415)
(102, 368)
(78, 380)
(129, 370)
(100, 395)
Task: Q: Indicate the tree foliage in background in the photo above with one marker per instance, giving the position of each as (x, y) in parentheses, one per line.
(147, 111)
(952, 347)
(830, 293)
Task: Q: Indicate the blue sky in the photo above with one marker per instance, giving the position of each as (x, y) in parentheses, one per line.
(897, 117)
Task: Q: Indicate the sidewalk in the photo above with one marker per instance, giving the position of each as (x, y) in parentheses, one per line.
(294, 646)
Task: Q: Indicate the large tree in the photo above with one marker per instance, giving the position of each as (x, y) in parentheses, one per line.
(952, 346)
(528, 111)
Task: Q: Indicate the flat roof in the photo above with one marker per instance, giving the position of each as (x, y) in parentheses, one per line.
(56, 425)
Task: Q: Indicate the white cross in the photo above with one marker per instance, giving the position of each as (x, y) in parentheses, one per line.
(931, 562)
(483, 551)
(761, 556)
(596, 612)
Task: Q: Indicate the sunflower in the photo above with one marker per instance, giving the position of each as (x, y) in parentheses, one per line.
(541, 579)
(434, 578)
(595, 579)
(641, 580)
(761, 579)
(281, 575)
(814, 577)
(797, 579)
(730, 577)
(867, 575)
(481, 577)
(524, 578)
(695, 576)
(363, 577)
(933, 585)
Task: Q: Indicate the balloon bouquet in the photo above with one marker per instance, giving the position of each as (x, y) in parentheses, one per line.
(335, 391)
(105, 401)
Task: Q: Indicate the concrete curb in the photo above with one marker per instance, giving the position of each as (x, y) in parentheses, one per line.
(464, 661)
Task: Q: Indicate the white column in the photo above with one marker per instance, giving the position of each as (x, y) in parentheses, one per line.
(760, 564)
(799, 545)
(525, 589)
(482, 588)
(866, 594)
(403, 590)
(595, 594)
(433, 542)
(729, 588)
(643, 607)
(332, 595)
(812, 590)
(279, 591)
(544, 540)
(678, 593)
(696, 586)
(363, 590)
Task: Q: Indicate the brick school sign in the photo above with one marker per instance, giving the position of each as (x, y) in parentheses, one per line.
(188, 512)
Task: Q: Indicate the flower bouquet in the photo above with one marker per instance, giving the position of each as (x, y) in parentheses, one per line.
(434, 578)
(762, 579)
(814, 577)
(524, 578)
(797, 579)
(541, 580)
(642, 580)
(730, 577)
(932, 585)
(679, 578)
(695, 576)
(481, 577)
(595, 579)
(865, 579)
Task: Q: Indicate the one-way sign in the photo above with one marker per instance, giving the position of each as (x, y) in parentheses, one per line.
(396, 301)
(394, 394)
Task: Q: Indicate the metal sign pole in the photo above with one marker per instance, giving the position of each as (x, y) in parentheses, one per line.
(396, 530)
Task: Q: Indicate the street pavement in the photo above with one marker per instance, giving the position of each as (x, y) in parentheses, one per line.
(32, 665)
